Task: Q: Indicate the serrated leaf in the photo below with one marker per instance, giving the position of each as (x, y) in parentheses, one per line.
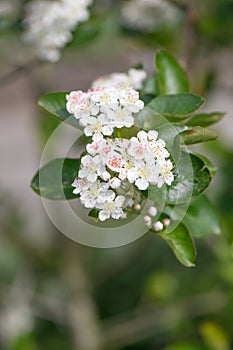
(171, 76)
(176, 107)
(205, 119)
(181, 244)
(55, 104)
(197, 134)
(53, 181)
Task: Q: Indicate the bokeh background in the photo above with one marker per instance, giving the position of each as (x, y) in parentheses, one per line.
(58, 295)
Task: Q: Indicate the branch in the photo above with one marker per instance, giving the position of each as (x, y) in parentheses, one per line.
(20, 70)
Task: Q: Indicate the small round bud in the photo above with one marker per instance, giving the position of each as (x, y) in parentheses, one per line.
(105, 176)
(137, 207)
(152, 211)
(147, 220)
(158, 226)
(115, 182)
(166, 222)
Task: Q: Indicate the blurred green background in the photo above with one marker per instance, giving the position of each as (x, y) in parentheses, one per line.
(58, 295)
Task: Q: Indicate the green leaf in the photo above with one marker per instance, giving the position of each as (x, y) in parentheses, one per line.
(208, 164)
(176, 107)
(84, 33)
(171, 76)
(94, 213)
(55, 104)
(197, 134)
(182, 244)
(53, 181)
(192, 177)
(150, 85)
(205, 119)
(202, 218)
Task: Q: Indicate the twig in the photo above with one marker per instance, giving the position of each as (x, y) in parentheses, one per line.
(19, 70)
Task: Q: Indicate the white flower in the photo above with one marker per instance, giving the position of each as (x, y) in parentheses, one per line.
(115, 163)
(49, 25)
(97, 193)
(149, 15)
(91, 167)
(143, 176)
(166, 175)
(80, 185)
(130, 98)
(112, 208)
(99, 125)
(137, 149)
(121, 117)
(137, 76)
(98, 142)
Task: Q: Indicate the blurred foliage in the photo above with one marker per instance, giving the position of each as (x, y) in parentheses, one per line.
(140, 284)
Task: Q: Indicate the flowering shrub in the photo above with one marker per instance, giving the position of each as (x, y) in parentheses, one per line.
(49, 25)
(136, 131)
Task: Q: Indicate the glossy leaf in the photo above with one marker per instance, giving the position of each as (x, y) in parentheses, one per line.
(55, 104)
(202, 218)
(171, 76)
(182, 244)
(150, 85)
(53, 181)
(205, 119)
(176, 107)
(192, 177)
(197, 134)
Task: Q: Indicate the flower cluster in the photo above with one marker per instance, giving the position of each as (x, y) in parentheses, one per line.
(115, 170)
(135, 77)
(148, 15)
(112, 164)
(50, 24)
(106, 106)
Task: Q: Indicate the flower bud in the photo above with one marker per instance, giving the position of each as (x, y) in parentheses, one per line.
(147, 220)
(158, 226)
(115, 182)
(152, 211)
